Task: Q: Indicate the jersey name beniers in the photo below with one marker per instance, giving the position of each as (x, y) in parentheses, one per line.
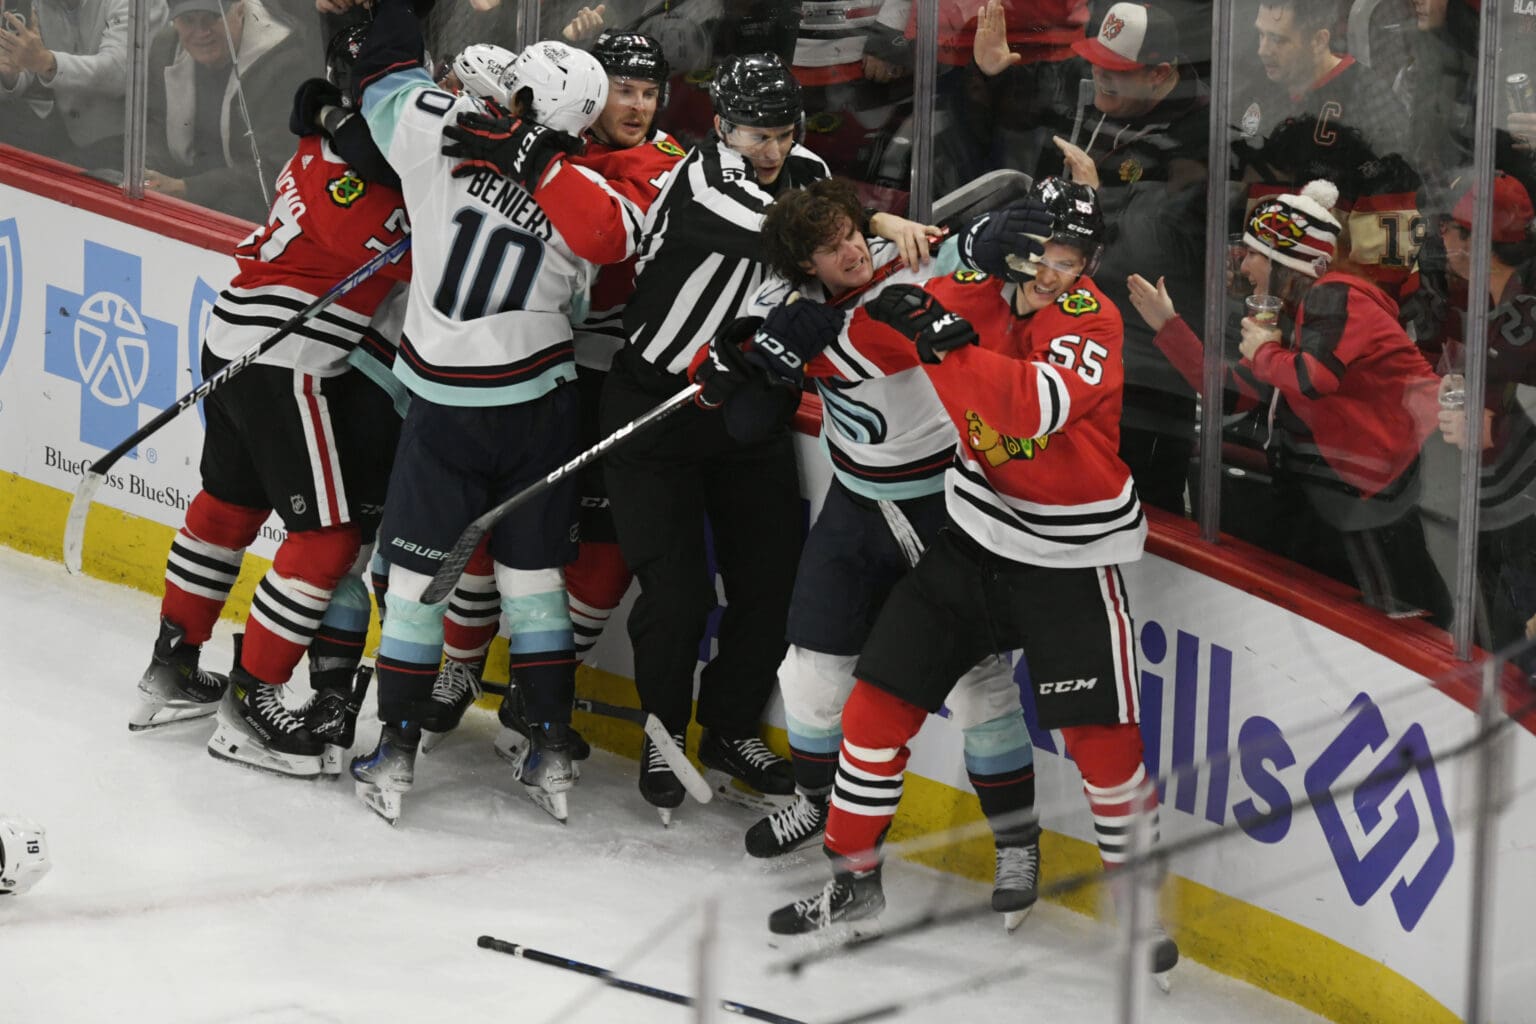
(487, 322)
(325, 223)
(1036, 476)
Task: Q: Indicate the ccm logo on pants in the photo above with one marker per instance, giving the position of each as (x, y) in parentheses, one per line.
(1068, 686)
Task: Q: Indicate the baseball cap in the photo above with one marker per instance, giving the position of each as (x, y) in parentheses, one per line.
(1512, 213)
(1131, 36)
(180, 7)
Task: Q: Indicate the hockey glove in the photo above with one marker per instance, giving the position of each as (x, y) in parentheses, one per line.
(793, 335)
(920, 317)
(1008, 243)
(505, 145)
(726, 370)
(314, 95)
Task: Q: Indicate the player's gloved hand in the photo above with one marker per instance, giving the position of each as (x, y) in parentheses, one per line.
(792, 335)
(498, 142)
(313, 96)
(726, 370)
(923, 320)
(1007, 243)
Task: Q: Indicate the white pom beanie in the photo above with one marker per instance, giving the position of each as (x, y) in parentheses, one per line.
(1297, 231)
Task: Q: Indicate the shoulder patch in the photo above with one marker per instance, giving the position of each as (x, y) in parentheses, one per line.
(969, 276)
(670, 148)
(347, 189)
(1078, 302)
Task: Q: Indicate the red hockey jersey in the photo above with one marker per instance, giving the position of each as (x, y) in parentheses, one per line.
(1037, 477)
(325, 223)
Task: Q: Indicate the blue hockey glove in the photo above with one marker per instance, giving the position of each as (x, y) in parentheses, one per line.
(792, 335)
(1008, 243)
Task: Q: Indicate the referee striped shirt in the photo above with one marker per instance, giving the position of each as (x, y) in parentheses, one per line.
(699, 257)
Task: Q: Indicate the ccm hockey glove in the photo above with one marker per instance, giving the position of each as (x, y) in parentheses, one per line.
(1008, 243)
(792, 335)
(922, 320)
(506, 145)
(726, 370)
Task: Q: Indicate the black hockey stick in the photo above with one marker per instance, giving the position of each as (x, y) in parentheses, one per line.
(613, 981)
(92, 479)
(678, 761)
(458, 557)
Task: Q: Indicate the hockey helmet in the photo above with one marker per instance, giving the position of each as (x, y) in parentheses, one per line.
(480, 68)
(567, 87)
(756, 91)
(633, 55)
(341, 57)
(1079, 222)
(23, 854)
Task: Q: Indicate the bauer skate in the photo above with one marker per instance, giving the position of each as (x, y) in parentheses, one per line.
(173, 688)
(332, 713)
(386, 775)
(790, 828)
(850, 896)
(545, 765)
(456, 688)
(513, 735)
(257, 729)
(1016, 882)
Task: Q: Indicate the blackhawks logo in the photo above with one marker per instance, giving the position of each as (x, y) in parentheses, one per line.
(1130, 171)
(998, 448)
(1275, 225)
(969, 276)
(670, 148)
(1113, 26)
(1078, 302)
(347, 189)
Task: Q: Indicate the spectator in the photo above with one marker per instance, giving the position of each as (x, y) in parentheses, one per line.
(1321, 114)
(215, 135)
(62, 76)
(1350, 397)
(1142, 144)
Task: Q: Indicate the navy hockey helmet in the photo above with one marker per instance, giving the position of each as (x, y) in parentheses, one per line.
(341, 57)
(633, 55)
(756, 91)
(1079, 222)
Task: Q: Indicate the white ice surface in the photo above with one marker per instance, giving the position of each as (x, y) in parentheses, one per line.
(188, 889)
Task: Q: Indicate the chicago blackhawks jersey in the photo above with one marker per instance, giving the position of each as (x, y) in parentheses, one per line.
(637, 173)
(496, 270)
(1035, 476)
(325, 222)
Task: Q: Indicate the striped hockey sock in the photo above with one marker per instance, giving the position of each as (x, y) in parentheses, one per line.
(595, 583)
(876, 728)
(204, 563)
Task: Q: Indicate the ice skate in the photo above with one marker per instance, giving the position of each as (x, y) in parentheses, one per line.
(332, 713)
(546, 768)
(514, 729)
(456, 688)
(1165, 957)
(790, 828)
(1016, 883)
(173, 688)
(735, 763)
(257, 729)
(850, 896)
(658, 783)
(386, 775)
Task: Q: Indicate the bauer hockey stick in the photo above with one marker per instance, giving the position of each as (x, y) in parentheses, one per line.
(678, 761)
(92, 479)
(614, 981)
(458, 556)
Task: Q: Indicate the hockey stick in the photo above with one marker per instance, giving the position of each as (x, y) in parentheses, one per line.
(92, 479)
(678, 761)
(613, 981)
(458, 556)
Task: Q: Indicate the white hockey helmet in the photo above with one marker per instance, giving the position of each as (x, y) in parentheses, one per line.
(480, 69)
(23, 854)
(569, 87)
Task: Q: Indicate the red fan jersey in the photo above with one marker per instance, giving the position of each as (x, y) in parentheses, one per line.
(1039, 30)
(325, 223)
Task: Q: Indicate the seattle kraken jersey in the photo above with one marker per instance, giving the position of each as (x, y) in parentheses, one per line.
(487, 322)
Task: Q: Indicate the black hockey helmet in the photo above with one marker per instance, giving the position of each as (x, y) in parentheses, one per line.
(1079, 222)
(341, 56)
(756, 91)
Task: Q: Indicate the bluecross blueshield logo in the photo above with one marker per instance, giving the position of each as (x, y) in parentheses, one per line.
(10, 288)
(199, 312)
(1393, 829)
(101, 339)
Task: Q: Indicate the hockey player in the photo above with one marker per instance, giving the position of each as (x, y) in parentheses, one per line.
(699, 264)
(634, 158)
(486, 353)
(296, 432)
(1041, 512)
(23, 854)
(890, 442)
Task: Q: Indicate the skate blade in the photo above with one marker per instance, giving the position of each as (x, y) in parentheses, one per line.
(383, 802)
(834, 936)
(153, 714)
(1164, 981)
(431, 740)
(331, 760)
(727, 788)
(228, 744)
(1012, 919)
(554, 804)
(509, 745)
(665, 814)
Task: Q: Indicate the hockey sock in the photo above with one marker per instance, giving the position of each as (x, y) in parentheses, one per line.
(540, 648)
(876, 728)
(204, 563)
(378, 578)
(596, 583)
(1000, 761)
(815, 686)
(474, 609)
(292, 598)
(1115, 781)
(410, 649)
(338, 643)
